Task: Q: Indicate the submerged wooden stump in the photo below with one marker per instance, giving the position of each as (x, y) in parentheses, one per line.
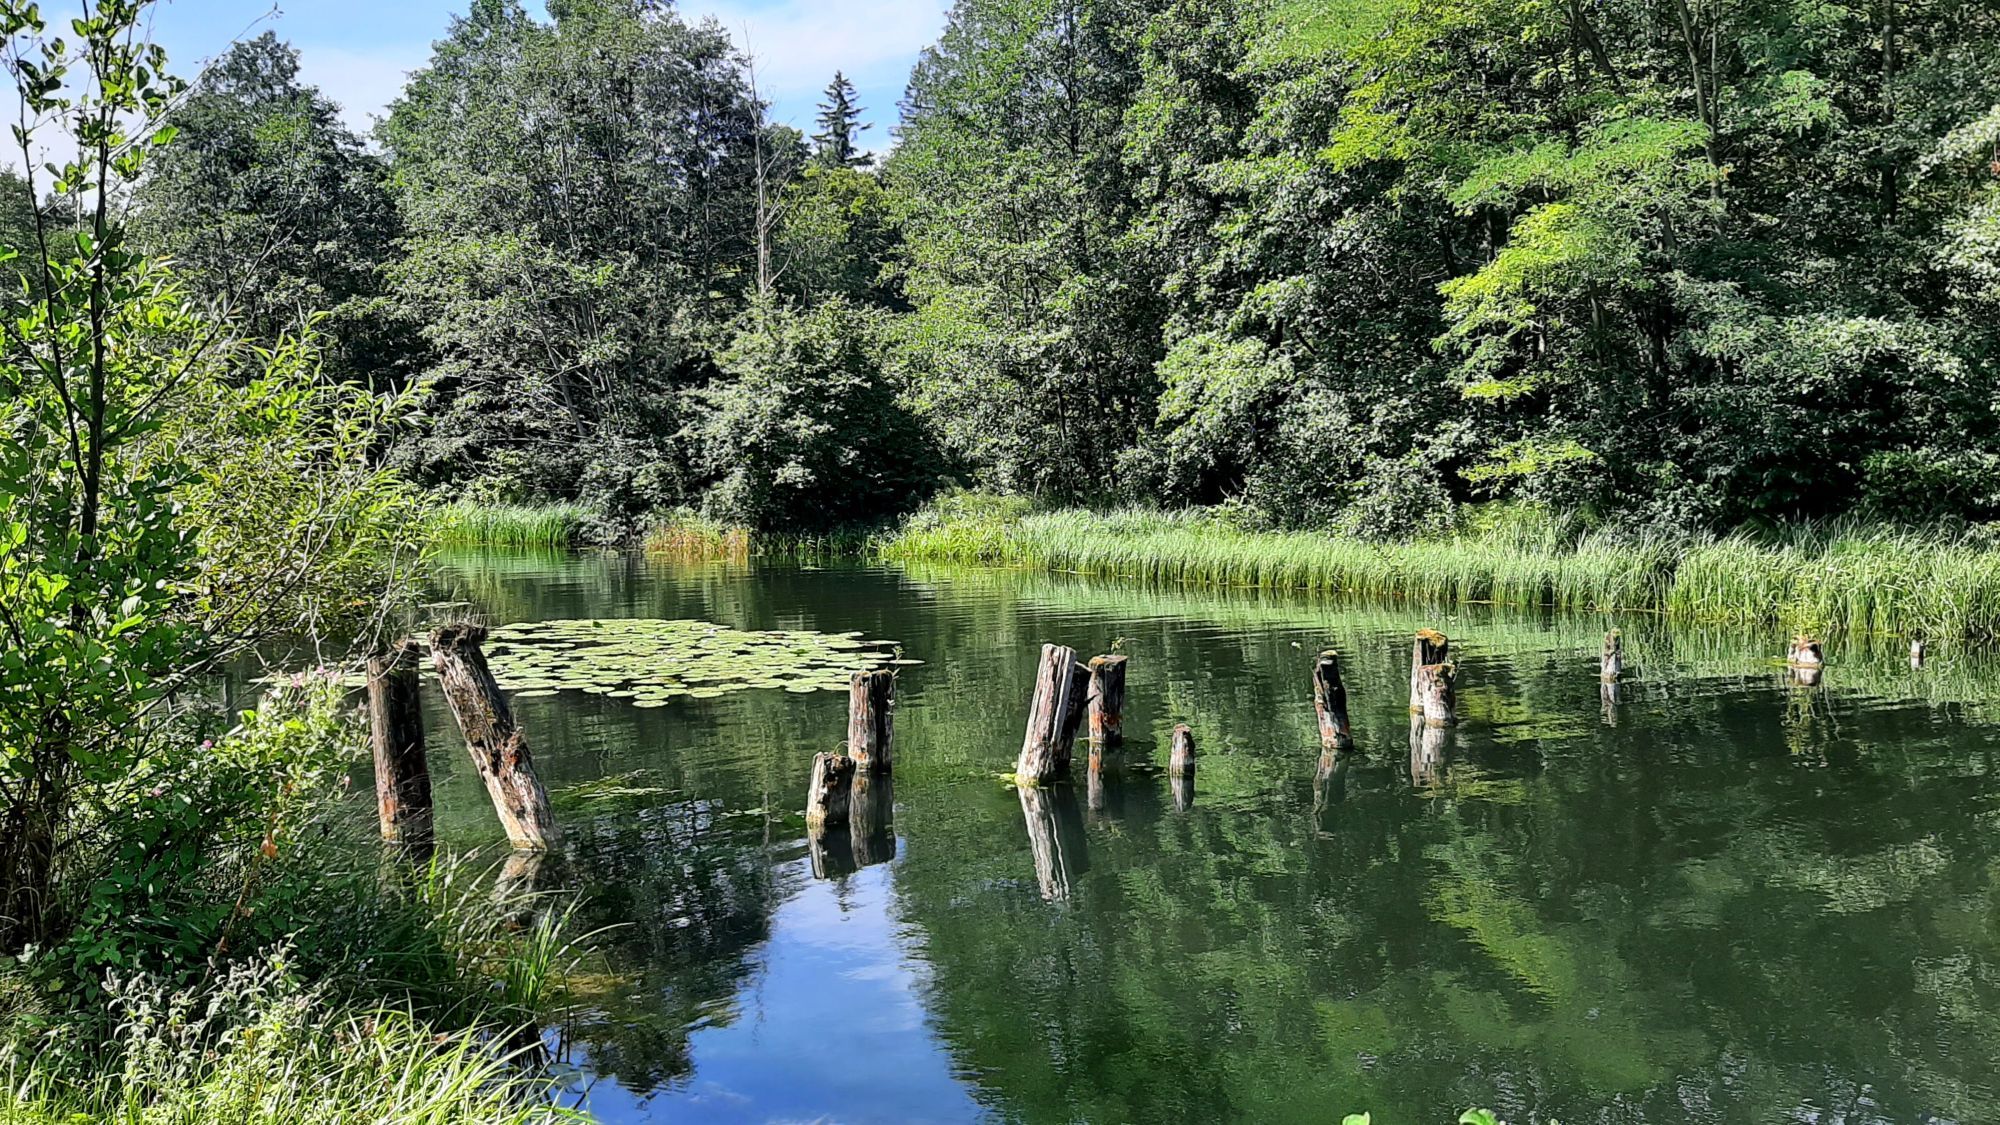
(1055, 839)
(396, 734)
(1612, 665)
(871, 808)
(1060, 687)
(1430, 753)
(871, 719)
(1330, 703)
(828, 791)
(499, 749)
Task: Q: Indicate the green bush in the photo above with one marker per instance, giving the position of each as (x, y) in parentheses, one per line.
(806, 434)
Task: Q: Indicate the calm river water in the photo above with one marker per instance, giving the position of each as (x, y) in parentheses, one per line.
(1722, 897)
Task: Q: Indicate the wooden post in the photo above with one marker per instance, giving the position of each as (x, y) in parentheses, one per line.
(1613, 665)
(870, 818)
(1805, 653)
(1060, 687)
(1431, 692)
(1055, 839)
(1180, 768)
(1429, 754)
(871, 719)
(499, 749)
(1431, 648)
(396, 730)
(1916, 654)
(827, 793)
(1330, 702)
(1107, 707)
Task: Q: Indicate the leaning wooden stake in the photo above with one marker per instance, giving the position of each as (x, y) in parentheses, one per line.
(1431, 677)
(828, 791)
(1060, 686)
(1613, 664)
(1330, 702)
(871, 719)
(396, 730)
(499, 749)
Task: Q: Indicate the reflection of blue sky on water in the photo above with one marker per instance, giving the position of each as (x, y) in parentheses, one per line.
(831, 1014)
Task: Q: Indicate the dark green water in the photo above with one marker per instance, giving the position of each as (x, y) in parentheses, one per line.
(1723, 897)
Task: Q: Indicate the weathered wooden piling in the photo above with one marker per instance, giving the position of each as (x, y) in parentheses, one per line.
(499, 749)
(396, 732)
(1106, 706)
(1330, 703)
(1431, 648)
(1180, 767)
(1916, 654)
(870, 818)
(1805, 653)
(871, 719)
(828, 792)
(1612, 665)
(1431, 677)
(1055, 839)
(1061, 685)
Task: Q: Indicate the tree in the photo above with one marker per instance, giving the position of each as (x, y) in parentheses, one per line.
(839, 124)
(580, 196)
(272, 212)
(170, 494)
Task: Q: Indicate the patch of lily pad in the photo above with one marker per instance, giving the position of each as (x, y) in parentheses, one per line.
(650, 662)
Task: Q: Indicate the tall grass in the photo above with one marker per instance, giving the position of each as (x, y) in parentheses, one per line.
(688, 537)
(254, 1047)
(1848, 578)
(511, 525)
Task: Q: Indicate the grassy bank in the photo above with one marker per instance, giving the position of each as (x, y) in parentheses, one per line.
(1859, 580)
(511, 525)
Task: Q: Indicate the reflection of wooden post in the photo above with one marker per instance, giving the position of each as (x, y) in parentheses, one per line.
(1055, 839)
(1431, 648)
(1612, 665)
(1608, 697)
(870, 816)
(828, 790)
(1330, 780)
(499, 749)
(1107, 707)
(1330, 702)
(832, 854)
(1428, 753)
(396, 731)
(1060, 686)
(871, 719)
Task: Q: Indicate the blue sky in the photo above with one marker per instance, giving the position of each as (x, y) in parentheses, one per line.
(357, 51)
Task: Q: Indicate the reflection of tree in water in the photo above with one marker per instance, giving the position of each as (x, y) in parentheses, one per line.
(691, 892)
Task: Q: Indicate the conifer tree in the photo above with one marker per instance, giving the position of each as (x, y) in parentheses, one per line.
(839, 123)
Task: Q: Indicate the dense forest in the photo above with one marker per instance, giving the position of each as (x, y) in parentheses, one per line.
(1659, 264)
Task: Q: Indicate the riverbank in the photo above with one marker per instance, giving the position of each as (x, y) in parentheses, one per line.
(1860, 580)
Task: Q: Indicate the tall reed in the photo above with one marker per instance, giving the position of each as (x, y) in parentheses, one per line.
(1848, 578)
(511, 525)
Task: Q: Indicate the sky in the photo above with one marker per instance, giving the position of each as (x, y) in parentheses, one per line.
(358, 51)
